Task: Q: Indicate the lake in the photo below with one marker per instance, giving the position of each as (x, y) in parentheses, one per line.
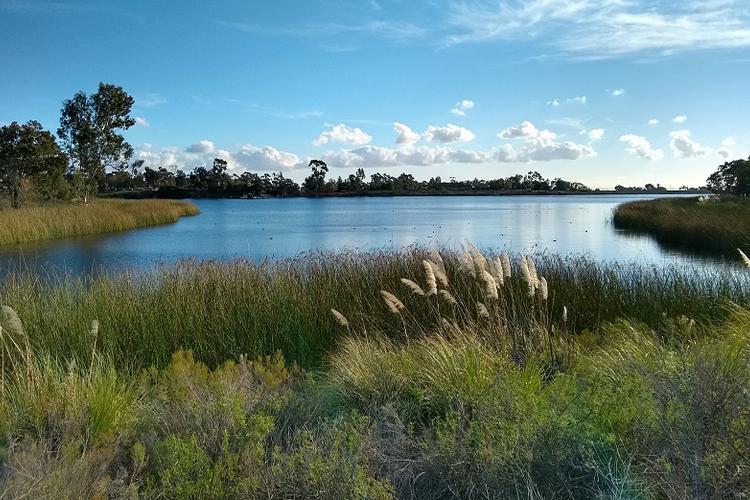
(276, 228)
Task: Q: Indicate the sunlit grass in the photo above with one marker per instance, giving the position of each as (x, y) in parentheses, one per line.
(718, 225)
(46, 222)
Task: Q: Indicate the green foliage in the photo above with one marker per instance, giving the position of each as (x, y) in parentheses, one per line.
(90, 127)
(731, 178)
(28, 154)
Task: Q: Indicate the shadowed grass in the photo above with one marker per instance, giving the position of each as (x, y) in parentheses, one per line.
(101, 216)
(713, 225)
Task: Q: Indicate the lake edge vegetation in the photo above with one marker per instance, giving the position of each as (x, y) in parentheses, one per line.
(63, 220)
(719, 223)
(414, 374)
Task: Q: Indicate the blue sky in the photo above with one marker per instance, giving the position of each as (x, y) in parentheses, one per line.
(605, 92)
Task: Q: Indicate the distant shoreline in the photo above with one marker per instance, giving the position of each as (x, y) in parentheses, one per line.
(382, 194)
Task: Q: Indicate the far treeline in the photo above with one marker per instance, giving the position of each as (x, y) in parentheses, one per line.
(90, 156)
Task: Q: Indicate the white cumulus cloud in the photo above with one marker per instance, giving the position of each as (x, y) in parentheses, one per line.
(379, 157)
(343, 134)
(405, 135)
(539, 145)
(679, 119)
(448, 133)
(461, 107)
(201, 147)
(641, 147)
(618, 92)
(524, 129)
(595, 134)
(249, 157)
(141, 122)
(653, 121)
(266, 158)
(683, 145)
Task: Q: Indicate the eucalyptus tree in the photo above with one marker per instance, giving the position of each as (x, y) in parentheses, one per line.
(28, 152)
(91, 129)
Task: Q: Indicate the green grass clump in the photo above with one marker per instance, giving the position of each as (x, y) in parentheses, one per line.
(695, 224)
(35, 223)
(220, 311)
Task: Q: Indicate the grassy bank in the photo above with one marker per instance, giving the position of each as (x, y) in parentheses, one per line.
(103, 216)
(222, 310)
(714, 225)
(437, 376)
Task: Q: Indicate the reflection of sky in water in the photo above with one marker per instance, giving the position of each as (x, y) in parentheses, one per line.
(275, 228)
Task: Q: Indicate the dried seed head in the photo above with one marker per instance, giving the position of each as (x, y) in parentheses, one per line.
(437, 259)
(565, 314)
(14, 322)
(430, 278)
(439, 270)
(95, 328)
(482, 310)
(745, 259)
(498, 271)
(490, 286)
(543, 290)
(525, 273)
(467, 264)
(532, 270)
(507, 270)
(445, 294)
(415, 288)
(479, 260)
(393, 303)
(340, 318)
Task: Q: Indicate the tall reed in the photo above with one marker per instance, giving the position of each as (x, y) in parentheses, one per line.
(221, 310)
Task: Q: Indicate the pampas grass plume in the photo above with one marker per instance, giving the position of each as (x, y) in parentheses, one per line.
(490, 287)
(544, 291)
(448, 297)
(482, 310)
(393, 303)
(414, 287)
(14, 322)
(430, 278)
(507, 270)
(745, 258)
(340, 318)
(498, 274)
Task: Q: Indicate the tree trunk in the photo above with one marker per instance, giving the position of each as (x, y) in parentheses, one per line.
(15, 197)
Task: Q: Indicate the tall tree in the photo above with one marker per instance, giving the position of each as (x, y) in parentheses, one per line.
(90, 130)
(27, 152)
(731, 178)
(316, 181)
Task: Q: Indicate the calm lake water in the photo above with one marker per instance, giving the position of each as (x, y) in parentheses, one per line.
(275, 228)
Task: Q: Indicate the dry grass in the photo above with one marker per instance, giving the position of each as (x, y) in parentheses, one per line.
(101, 216)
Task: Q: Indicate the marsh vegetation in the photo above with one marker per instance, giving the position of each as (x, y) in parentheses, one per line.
(408, 374)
